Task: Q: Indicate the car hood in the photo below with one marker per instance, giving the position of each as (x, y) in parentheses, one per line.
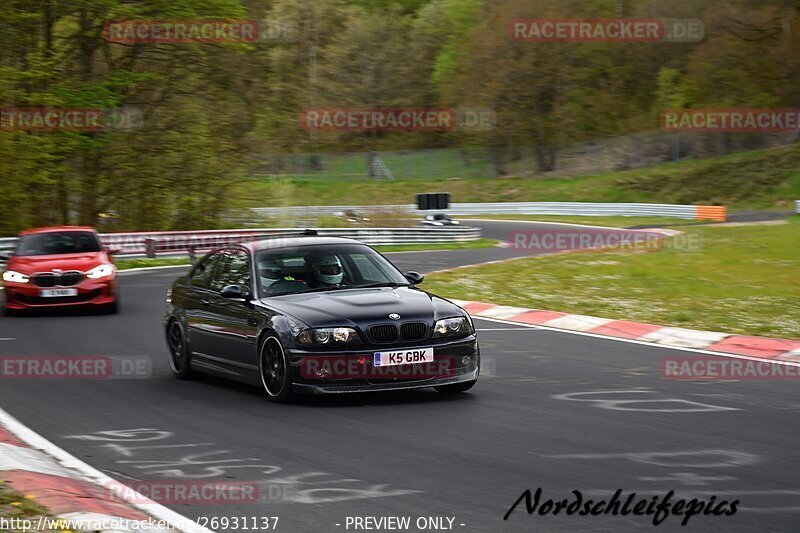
(30, 264)
(362, 307)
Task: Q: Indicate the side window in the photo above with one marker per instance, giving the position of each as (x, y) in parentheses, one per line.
(201, 275)
(218, 280)
(239, 270)
(236, 271)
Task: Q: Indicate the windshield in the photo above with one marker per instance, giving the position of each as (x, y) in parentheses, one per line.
(55, 243)
(324, 268)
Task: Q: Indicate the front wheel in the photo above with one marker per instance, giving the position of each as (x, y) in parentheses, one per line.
(274, 370)
(455, 388)
(179, 354)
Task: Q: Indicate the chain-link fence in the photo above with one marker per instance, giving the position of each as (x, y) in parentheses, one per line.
(586, 158)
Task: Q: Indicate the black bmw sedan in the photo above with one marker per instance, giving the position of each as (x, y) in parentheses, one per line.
(319, 315)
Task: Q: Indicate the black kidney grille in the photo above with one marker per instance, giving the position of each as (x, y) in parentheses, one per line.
(71, 278)
(52, 279)
(414, 331)
(383, 333)
(45, 280)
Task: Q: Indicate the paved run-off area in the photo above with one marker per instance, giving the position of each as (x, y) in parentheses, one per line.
(553, 410)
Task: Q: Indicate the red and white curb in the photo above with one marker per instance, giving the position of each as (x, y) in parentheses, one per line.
(74, 491)
(712, 341)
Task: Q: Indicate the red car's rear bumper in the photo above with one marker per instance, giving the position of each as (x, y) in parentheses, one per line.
(90, 292)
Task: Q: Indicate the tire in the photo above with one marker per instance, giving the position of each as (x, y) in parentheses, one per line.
(180, 356)
(112, 308)
(274, 370)
(456, 387)
(10, 312)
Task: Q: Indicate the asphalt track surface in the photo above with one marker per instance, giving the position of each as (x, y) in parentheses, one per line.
(541, 416)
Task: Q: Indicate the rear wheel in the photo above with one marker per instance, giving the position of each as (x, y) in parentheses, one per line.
(274, 370)
(179, 355)
(456, 387)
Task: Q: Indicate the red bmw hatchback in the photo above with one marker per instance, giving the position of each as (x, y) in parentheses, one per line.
(60, 266)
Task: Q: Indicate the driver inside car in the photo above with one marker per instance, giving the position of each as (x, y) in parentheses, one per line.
(327, 271)
(273, 280)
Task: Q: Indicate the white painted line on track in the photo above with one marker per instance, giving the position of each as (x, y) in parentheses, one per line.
(37, 442)
(148, 269)
(504, 329)
(641, 343)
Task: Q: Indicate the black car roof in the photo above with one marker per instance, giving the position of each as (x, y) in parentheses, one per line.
(275, 243)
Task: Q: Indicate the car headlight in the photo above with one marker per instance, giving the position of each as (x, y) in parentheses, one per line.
(101, 271)
(328, 336)
(452, 327)
(13, 276)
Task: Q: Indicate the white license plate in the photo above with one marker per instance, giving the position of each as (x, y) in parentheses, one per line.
(403, 357)
(55, 293)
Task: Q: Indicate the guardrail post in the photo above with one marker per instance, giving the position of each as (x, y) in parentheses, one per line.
(150, 247)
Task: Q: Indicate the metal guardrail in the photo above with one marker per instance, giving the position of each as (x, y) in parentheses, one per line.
(177, 242)
(797, 206)
(501, 208)
(326, 210)
(7, 243)
(575, 208)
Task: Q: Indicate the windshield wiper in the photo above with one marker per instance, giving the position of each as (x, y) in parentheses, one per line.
(319, 289)
(383, 284)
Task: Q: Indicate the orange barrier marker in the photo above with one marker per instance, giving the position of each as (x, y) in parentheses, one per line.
(710, 212)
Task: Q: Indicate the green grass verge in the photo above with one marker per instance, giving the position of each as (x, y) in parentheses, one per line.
(127, 264)
(762, 179)
(741, 280)
(14, 505)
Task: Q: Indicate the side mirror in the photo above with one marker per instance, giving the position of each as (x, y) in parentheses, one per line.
(233, 292)
(414, 277)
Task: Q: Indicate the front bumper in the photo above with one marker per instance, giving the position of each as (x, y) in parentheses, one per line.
(315, 372)
(90, 292)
